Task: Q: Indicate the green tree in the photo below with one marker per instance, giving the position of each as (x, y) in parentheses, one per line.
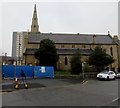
(100, 59)
(76, 64)
(47, 54)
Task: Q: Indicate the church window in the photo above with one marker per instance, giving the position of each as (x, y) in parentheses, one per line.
(73, 46)
(66, 61)
(34, 18)
(83, 46)
(111, 51)
(34, 26)
(62, 46)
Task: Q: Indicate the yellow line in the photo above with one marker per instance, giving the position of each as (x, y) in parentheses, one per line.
(3, 92)
(43, 88)
(85, 83)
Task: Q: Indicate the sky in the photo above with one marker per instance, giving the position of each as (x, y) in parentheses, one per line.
(66, 16)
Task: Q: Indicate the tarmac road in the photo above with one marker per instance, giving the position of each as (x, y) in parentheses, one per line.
(65, 93)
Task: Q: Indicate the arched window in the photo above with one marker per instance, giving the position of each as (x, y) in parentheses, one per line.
(83, 46)
(73, 46)
(66, 61)
(34, 26)
(111, 51)
(62, 46)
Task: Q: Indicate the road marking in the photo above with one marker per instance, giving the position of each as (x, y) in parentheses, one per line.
(115, 99)
(84, 83)
(42, 88)
(109, 102)
(3, 93)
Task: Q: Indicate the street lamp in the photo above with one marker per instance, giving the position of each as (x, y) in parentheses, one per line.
(5, 58)
(83, 65)
(14, 69)
(19, 50)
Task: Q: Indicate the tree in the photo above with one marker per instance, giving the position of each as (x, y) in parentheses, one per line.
(100, 58)
(47, 54)
(76, 64)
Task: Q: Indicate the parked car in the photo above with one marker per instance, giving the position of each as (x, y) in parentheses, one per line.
(118, 75)
(106, 75)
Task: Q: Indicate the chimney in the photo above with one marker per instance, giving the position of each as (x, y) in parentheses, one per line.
(94, 39)
(116, 38)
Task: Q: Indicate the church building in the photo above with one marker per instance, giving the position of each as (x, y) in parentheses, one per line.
(67, 45)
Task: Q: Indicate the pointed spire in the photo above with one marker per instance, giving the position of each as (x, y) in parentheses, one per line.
(35, 8)
(35, 26)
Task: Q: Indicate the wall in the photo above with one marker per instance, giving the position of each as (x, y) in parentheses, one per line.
(61, 63)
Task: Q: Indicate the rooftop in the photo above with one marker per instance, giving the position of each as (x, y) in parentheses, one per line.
(71, 38)
(62, 51)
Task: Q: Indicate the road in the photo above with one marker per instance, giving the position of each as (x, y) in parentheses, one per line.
(58, 92)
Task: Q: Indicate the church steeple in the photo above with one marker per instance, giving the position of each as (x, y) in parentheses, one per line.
(35, 26)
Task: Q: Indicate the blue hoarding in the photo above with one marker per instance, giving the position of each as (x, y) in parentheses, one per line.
(43, 71)
(29, 71)
(8, 71)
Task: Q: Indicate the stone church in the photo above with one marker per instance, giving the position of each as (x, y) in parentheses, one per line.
(66, 45)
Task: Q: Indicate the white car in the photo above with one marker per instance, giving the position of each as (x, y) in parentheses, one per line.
(118, 75)
(106, 75)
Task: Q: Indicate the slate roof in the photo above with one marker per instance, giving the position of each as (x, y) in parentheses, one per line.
(70, 51)
(62, 51)
(30, 51)
(70, 38)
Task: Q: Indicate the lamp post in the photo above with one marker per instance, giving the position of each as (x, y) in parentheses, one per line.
(5, 58)
(19, 50)
(14, 70)
(83, 72)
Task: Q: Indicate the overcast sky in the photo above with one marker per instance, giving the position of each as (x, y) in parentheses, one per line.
(57, 17)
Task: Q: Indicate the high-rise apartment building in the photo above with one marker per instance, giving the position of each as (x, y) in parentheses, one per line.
(18, 46)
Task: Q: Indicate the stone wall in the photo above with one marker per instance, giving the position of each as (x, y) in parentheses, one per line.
(61, 63)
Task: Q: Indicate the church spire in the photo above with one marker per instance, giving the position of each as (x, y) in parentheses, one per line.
(35, 26)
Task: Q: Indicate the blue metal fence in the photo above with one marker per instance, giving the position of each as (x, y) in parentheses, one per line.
(29, 71)
(8, 71)
(42, 71)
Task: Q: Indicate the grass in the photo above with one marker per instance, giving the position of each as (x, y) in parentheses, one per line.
(68, 75)
(62, 73)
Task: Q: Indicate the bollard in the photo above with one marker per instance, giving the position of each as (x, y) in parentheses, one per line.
(16, 86)
(16, 83)
(26, 86)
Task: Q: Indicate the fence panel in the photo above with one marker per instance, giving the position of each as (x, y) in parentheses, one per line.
(8, 70)
(28, 70)
(43, 71)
